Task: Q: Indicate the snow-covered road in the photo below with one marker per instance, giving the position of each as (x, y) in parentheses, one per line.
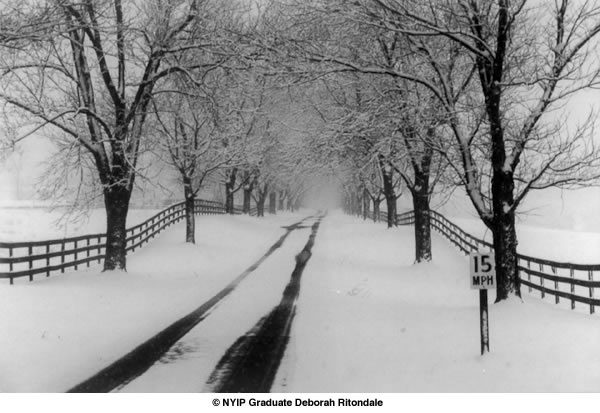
(188, 365)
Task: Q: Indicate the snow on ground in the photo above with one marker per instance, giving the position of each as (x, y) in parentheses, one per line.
(188, 365)
(369, 320)
(32, 222)
(60, 330)
(554, 244)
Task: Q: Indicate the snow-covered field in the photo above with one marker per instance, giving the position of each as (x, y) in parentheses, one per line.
(33, 222)
(561, 245)
(367, 319)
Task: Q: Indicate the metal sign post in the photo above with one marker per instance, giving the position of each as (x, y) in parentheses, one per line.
(483, 276)
(483, 322)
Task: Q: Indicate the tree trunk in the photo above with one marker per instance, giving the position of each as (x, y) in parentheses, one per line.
(505, 247)
(281, 199)
(503, 221)
(190, 219)
(260, 204)
(420, 196)
(229, 188)
(248, 188)
(358, 202)
(376, 210)
(366, 204)
(116, 202)
(391, 210)
(294, 203)
(247, 197)
(272, 203)
(387, 174)
(350, 203)
(505, 236)
(390, 199)
(422, 225)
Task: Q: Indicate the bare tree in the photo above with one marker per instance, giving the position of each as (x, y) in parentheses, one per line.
(499, 71)
(94, 80)
(386, 114)
(415, 127)
(521, 64)
(190, 140)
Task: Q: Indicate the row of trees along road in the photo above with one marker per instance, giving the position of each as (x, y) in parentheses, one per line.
(481, 84)
(115, 82)
(396, 97)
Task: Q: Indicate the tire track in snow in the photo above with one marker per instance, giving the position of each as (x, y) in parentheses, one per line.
(251, 363)
(140, 359)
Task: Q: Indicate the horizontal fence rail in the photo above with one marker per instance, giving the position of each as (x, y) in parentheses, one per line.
(27, 259)
(573, 282)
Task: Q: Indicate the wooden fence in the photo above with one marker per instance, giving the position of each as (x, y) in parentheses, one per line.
(572, 282)
(27, 259)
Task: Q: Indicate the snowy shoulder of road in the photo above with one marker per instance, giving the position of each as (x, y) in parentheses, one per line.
(369, 320)
(60, 330)
(581, 247)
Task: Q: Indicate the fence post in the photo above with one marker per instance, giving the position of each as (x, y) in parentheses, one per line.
(47, 260)
(529, 274)
(87, 252)
(591, 278)
(99, 249)
(62, 256)
(75, 254)
(542, 281)
(30, 250)
(572, 274)
(10, 265)
(555, 285)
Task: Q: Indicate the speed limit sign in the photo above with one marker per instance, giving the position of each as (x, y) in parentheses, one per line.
(483, 270)
(483, 276)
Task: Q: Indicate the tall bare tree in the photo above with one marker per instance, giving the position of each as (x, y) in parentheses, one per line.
(517, 63)
(94, 80)
(500, 71)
